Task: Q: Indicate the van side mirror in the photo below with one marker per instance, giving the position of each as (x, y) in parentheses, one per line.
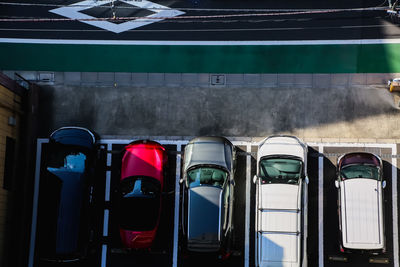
(307, 180)
(383, 184)
(336, 183)
(255, 179)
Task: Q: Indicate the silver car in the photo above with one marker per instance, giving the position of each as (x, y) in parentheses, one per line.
(207, 201)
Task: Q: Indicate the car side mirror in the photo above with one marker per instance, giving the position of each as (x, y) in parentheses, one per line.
(383, 184)
(255, 179)
(336, 183)
(307, 180)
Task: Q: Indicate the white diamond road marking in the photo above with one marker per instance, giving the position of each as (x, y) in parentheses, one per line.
(160, 11)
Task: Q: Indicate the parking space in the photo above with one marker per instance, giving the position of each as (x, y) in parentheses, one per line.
(323, 233)
(331, 254)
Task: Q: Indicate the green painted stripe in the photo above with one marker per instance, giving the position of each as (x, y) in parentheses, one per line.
(349, 58)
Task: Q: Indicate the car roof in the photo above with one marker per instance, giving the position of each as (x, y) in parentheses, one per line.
(209, 150)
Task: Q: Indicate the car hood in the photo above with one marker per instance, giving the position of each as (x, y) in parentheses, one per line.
(207, 151)
(281, 145)
(204, 215)
(140, 160)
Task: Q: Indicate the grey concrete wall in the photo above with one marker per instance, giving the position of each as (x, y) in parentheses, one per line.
(311, 106)
(230, 111)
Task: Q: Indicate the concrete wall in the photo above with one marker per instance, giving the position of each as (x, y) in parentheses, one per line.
(9, 107)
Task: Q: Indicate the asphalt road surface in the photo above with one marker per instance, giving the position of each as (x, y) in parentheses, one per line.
(322, 198)
(217, 20)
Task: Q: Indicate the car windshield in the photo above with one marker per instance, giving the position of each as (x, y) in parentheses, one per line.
(360, 171)
(139, 203)
(280, 171)
(67, 159)
(207, 176)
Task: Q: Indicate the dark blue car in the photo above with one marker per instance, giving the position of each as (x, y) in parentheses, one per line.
(66, 189)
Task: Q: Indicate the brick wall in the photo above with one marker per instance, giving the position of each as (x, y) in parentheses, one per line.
(10, 106)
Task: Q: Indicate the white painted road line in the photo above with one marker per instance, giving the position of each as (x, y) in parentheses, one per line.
(104, 256)
(176, 212)
(105, 224)
(247, 221)
(321, 207)
(394, 209)
(108, 173)
(35, 200)
(244, 43)
(108, 185)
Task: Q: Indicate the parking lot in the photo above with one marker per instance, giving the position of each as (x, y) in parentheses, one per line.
(322, 216)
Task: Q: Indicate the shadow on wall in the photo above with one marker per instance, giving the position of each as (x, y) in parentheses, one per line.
(220, 111)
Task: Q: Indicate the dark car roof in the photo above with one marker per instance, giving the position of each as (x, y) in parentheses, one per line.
(69, 212)
(74, 136)
(204, 214)
(359, 158)
(208, 150)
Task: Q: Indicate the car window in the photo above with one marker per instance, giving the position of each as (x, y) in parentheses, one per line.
(280, 170)
(66, 159)
(144, 187)
(207, 176)
(360, 171)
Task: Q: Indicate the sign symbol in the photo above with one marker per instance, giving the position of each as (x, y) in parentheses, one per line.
(81, 10)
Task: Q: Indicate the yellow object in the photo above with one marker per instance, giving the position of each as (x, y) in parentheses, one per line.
(394, 85)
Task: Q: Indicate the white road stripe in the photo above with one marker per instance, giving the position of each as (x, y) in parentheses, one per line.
(104, 255)
(105, 224)
(35, 200)
(108, 185)
(394, 209)
(214, 43)
(247, 221)
(320, 207)
(108, 174)
(176, 212)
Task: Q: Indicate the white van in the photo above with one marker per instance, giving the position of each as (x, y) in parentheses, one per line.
(360, 202)
(281, 202)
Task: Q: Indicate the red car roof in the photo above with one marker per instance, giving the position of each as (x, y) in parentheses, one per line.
(144, 158)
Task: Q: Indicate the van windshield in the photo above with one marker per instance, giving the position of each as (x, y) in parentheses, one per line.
(360, 171)
(280, 171)
(207, 176)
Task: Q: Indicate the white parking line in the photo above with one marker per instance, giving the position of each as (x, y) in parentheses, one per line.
(104, 255)
(247, 221)
(35, 200)
(320, 207)
(394, 209)
(105, 224)
(176, 212)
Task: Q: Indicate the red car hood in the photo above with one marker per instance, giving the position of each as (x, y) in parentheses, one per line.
(143, 159)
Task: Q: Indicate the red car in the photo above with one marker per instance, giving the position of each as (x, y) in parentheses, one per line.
(142, 182)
